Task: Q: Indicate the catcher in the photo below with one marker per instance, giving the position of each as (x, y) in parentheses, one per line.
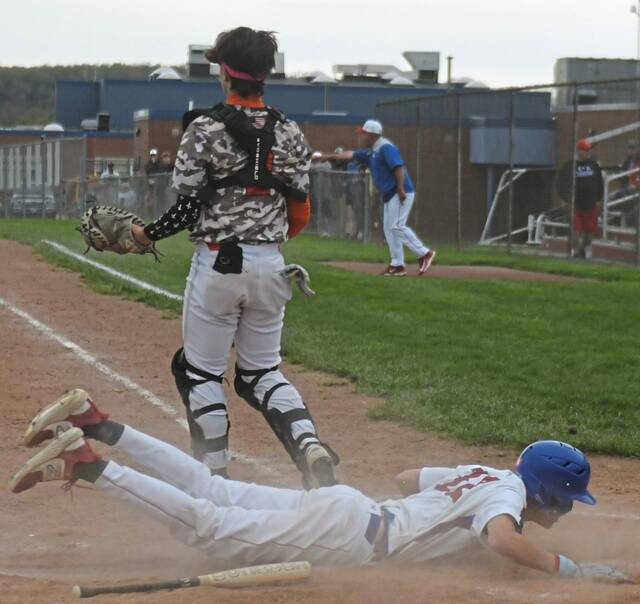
(241, 175)
(444, 510)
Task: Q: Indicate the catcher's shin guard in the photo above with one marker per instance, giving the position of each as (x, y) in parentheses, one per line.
(209, 431)
(286, 413)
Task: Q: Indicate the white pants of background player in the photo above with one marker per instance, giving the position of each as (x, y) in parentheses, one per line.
(396, 231)
(247, 309)
(236, 522)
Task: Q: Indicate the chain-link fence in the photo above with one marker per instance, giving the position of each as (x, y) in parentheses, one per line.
(146, 196)
(503, 166)
(344, 204)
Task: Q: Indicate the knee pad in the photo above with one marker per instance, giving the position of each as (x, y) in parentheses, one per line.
(281, 421)
(201, 444)
(246, 390)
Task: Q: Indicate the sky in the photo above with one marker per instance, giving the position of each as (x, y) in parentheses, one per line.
(498, 42)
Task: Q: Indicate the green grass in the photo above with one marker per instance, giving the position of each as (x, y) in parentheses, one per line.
(494, 361)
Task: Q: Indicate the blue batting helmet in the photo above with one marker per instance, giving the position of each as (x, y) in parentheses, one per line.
(555, 474)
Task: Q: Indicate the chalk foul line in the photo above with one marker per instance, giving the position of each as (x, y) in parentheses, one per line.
(113, 272)
(88, 358)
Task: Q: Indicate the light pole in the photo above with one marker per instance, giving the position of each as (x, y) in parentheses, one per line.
(635, 9)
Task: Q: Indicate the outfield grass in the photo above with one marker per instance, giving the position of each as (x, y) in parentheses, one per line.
(502, 362)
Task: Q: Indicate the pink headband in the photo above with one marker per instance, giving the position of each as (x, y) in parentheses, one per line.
(240, 75)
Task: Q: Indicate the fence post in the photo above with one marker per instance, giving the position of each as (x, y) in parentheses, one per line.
(5, 181)
(83, 174)
(43, 177)
(366, 231)
(459, 169)
(637, 232)
(572, 201)
(418, 166)
(23, 166)
(512, 119)
(319, 196)
(605, 208)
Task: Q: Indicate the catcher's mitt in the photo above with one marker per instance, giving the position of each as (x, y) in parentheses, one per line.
(106, 228)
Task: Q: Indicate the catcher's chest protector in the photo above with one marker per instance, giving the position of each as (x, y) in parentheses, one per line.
(256, 175)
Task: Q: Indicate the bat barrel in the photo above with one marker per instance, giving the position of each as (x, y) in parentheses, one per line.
(250, 576)
(88, 592)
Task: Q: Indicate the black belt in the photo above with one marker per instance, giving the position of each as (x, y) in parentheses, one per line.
(372, 528)
(381, 548)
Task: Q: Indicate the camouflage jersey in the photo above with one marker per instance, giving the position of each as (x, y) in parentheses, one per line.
(207, 152)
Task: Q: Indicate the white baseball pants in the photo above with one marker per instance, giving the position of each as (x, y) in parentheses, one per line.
(246, 309)
(396, 231)
(238, 523)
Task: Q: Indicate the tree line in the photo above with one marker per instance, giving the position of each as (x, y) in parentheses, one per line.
(27, 94)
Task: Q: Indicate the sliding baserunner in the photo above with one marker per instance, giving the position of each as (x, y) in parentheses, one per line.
(444, 510)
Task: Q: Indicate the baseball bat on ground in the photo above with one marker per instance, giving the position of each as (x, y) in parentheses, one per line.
(249, 576)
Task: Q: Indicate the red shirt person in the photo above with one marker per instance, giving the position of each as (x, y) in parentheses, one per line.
(588, 195)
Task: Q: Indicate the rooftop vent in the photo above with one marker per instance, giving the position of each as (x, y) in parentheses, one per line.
(387, 77)
(400, 80)
(321, 78)
(427, 64)
(363, 71)
(89, 124)
(165, 73)
(197, 64)
(475, 84)
(53, 128)
(278, 70)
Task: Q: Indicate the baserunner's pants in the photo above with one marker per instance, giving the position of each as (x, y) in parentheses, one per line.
(235, 522)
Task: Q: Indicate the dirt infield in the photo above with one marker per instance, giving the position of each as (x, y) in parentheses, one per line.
(51, 540)
(456, 272)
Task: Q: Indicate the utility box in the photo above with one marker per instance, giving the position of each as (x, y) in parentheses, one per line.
(197, 64)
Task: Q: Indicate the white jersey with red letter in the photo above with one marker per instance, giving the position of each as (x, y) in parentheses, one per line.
(451, 510)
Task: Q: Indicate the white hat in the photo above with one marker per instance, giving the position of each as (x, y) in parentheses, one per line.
(153, 151)
(372, 127)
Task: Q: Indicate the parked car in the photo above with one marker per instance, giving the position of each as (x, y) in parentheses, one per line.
(30, 204)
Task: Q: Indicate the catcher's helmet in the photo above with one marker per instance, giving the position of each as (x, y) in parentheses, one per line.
(555, 474)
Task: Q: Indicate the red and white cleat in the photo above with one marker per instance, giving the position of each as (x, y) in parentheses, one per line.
(425, 262)
(395, 271)
(73, 409)
(55, 462)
